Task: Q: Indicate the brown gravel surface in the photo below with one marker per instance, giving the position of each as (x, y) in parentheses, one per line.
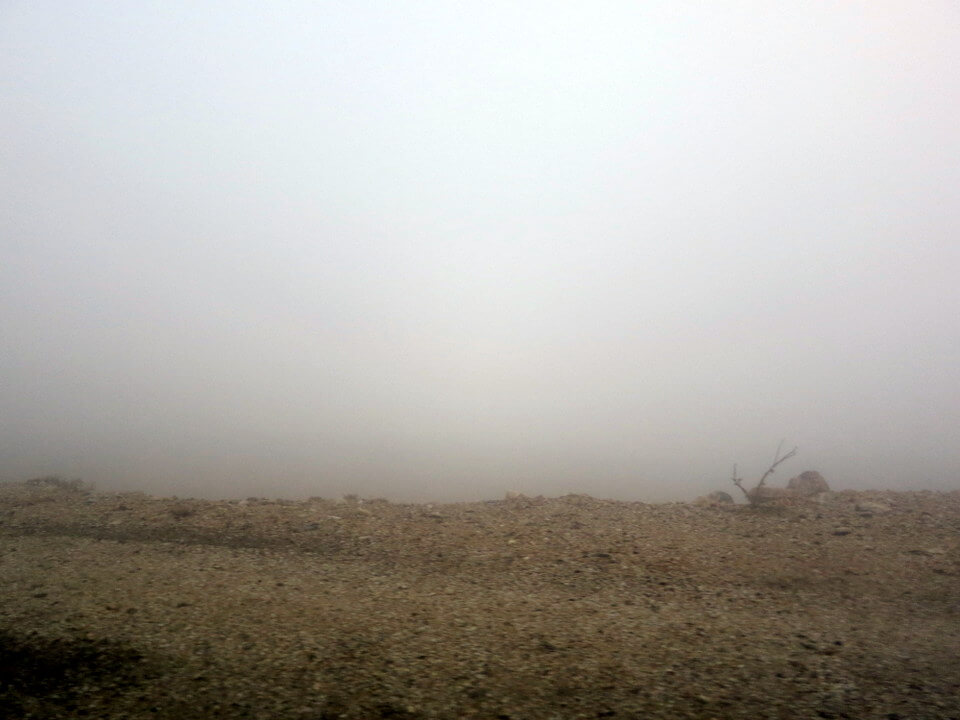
(127, 606)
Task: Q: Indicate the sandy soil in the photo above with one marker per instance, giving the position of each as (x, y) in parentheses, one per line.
(126, 606)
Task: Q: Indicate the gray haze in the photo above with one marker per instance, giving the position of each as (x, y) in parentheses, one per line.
(440, 250)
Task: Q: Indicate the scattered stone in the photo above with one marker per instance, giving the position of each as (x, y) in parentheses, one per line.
(501, 608)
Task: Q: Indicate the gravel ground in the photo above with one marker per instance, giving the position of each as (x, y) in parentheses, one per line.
(127, 606)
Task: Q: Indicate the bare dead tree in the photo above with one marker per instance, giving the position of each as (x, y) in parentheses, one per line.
(760, 492)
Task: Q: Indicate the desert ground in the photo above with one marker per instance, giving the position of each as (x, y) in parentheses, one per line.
(129, 606)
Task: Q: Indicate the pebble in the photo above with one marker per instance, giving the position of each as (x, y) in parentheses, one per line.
(871, 508)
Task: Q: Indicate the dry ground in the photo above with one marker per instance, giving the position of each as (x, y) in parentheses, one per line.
(125, 606)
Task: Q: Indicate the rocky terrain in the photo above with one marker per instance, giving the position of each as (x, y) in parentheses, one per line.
(127, 606)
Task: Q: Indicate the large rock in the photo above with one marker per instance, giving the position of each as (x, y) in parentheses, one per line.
(809, 482)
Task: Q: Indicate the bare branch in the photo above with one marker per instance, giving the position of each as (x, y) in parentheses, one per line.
(758, 494)
(776, 455)
(776, 461)
(739, 483)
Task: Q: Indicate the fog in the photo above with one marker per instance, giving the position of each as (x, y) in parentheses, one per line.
(443, 250)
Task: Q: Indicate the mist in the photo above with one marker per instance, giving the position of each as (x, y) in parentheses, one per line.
(439, 251)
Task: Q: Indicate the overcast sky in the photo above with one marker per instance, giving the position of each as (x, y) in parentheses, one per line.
(441, 250)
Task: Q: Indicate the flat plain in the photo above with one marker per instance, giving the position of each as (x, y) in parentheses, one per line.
(129, 606)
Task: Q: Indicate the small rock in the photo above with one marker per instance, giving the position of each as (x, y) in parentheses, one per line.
(872, 508)
(842, 531)
(717, 497)
(927, 552)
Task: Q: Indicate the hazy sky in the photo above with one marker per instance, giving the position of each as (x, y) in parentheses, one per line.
(440, 250)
